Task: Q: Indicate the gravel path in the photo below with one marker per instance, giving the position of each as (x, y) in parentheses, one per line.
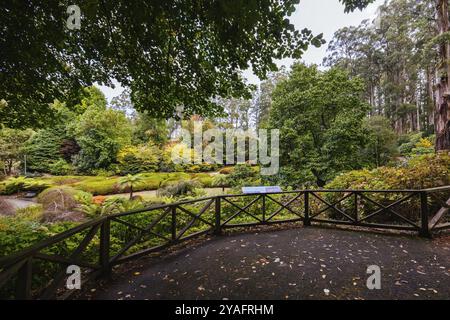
(305, 263)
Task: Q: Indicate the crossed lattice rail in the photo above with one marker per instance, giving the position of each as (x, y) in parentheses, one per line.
(97, 246)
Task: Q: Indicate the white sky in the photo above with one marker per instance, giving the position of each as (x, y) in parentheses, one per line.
(320, 16)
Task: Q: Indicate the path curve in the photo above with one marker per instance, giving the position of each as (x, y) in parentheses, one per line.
(305, 263)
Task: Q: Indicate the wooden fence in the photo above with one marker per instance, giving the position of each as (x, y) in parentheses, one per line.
(39, 272)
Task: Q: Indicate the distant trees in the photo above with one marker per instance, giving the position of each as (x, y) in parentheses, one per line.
(320, 116)
(403, 59)
(11, 143)
(262, 102)
(381, 144)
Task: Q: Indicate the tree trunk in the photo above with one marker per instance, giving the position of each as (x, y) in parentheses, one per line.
(131, 192)
(442, 106)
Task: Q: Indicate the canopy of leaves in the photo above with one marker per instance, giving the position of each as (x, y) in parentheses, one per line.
(168, 52)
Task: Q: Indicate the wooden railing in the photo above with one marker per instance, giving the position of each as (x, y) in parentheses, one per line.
(97, 246)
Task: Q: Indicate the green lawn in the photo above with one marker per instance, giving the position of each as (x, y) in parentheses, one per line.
(98, 185)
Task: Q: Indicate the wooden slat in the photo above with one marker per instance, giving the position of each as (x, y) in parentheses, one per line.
(388, 207)
(333, 207)
(284, 207)
(241, 210)
(50, 291)
(390, 210)
(439, 215)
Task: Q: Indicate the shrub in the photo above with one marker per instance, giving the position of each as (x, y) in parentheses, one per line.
(31, 213)
(221, 181)
(104, 173)
(15, 185)
(204, 178)
(424, 146)
(178, 189)
(416, 144)
(60, 168)
(98, 185)
(226, 170)
(242, 174)
(17, 233)
(420, 172)
(174, 179)
(138, 159)
(109, 206)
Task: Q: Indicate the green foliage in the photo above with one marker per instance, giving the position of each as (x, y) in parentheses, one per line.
(184, 68)
(242, 174)
(100, 132)
(381, 144)
(42, 150)
(391, 56)
(31, 213)
(53, 144)
(181, 188)
(60, 168)
(426, 171)
(19, 184)
(139, 159)
(205, 179)
(19, 233)
(221, 181)
(416, 144)
(11, 145)
(319, 115)
(130, 182)
(420, 172)
(149, 130)
(109, 206)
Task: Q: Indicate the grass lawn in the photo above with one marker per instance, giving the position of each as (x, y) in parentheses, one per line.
(99, 185)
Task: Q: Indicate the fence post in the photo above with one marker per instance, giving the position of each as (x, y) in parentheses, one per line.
(217, 214)
(174, 224)
(105, 235)
(425, 230)
(356, 209)
(307, 221)
(24, 279)
(264, 208)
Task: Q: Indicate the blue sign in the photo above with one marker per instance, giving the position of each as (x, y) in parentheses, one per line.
(260, 190)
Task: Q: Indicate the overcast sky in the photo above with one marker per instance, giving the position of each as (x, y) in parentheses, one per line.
(320, 16)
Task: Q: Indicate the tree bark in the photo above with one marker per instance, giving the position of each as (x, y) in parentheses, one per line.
(442, 92)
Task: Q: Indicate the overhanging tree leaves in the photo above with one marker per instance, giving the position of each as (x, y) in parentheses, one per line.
(168, 52)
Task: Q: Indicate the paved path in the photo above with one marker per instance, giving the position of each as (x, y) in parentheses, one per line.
(154, 193)
(309, 263)
(9, 205)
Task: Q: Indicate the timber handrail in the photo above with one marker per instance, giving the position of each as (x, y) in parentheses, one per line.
(168, 224)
